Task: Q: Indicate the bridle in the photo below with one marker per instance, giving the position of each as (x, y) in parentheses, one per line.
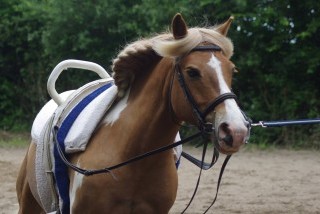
(200, 115)
(204, 126)
(206, 129)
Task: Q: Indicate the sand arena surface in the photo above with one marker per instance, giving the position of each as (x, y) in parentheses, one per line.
(277, 181)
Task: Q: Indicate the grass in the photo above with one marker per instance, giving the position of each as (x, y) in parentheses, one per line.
(14, 140)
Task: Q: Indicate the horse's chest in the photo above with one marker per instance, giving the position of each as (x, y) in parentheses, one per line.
(128, 193)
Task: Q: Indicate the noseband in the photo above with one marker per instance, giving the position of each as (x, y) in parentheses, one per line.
(203, 126)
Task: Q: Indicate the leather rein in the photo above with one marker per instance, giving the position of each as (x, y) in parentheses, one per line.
(205, 131)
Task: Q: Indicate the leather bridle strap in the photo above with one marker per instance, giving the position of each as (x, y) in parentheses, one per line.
(225, 162)
(202, 124)
(202, 166)
(89, 172)
(204, 151)
(188, 95)
(205, 127)
(207, 48)
(219, 100)
(199, 163)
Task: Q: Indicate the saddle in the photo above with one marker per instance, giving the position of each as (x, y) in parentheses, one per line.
(77, 113)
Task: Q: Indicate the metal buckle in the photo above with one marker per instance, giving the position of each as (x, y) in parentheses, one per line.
(260, 123)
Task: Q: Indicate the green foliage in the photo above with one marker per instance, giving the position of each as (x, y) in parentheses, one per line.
(284, 72)
(21, 62)
(276, 48)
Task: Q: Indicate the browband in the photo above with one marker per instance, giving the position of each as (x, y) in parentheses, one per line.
(207, 48)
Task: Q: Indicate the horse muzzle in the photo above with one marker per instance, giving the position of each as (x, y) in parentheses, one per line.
(230, 136)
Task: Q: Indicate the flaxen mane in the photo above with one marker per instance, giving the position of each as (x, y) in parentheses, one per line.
(136, 56)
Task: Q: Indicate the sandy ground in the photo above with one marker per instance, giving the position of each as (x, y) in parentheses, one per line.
(277, 181)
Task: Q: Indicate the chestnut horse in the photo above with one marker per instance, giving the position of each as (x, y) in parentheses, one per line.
(162, 81)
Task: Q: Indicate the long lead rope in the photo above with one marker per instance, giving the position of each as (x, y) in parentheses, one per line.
(280, 123)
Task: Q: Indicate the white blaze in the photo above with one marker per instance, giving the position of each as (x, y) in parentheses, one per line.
(114, 114)
(232, 110)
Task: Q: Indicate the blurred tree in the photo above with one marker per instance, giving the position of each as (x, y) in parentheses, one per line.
(282, 66)
(21, 62)
(276, 49)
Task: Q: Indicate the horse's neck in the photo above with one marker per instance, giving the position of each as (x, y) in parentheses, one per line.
(146, 119)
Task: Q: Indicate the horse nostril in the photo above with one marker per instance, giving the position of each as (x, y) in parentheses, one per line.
(228, 140)
(225, 134)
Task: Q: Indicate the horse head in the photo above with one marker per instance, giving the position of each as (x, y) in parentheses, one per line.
(201, 83)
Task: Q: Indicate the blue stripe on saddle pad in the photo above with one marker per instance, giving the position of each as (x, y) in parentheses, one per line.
(61, 170)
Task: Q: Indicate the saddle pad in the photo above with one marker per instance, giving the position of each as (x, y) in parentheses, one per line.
(77, 121)
(72, 99)
(77, 118)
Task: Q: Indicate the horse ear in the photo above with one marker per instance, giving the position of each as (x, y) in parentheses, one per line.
(223, 28)
(179, 27)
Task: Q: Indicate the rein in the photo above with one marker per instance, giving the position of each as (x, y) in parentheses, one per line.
(89, 172)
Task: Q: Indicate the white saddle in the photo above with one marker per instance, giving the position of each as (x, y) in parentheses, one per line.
(77, 113)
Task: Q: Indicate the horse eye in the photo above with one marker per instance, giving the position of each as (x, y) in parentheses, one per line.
(193, 73)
